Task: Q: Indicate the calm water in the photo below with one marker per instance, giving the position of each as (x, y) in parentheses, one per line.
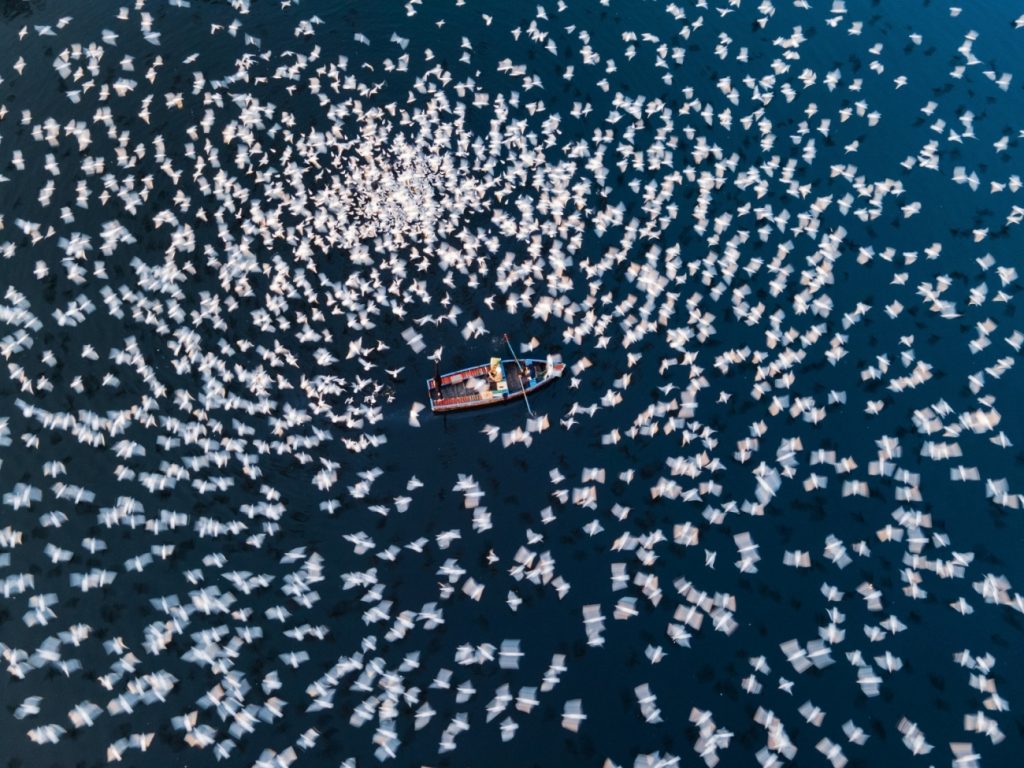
(774, 605)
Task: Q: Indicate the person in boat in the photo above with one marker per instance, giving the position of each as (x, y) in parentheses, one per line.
(496, 373)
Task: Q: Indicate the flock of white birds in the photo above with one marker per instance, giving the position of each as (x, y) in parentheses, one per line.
(227, 270)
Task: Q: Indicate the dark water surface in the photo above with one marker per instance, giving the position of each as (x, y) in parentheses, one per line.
(772, 606)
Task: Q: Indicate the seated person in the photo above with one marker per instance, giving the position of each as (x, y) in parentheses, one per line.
(496, 372)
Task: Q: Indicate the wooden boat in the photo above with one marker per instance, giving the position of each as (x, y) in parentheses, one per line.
(497, 382)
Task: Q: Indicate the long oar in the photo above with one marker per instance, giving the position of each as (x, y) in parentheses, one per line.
(520, 366)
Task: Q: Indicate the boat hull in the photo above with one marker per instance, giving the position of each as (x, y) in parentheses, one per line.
(474, 387)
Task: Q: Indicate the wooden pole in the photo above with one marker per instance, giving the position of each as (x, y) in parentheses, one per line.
(520, 366)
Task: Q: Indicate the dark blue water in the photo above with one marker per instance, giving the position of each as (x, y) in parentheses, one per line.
(775, 260)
